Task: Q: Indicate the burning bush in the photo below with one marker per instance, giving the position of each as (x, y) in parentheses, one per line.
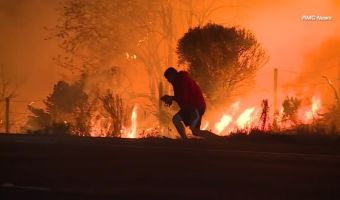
(113, 105)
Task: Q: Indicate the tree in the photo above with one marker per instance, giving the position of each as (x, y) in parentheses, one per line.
(68, 107)
(96, 35)
(220, 58)
(96, 31)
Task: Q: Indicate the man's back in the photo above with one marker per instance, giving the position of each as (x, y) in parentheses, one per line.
(187, 93)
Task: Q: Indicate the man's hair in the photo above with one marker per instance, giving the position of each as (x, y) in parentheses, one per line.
(170, 71)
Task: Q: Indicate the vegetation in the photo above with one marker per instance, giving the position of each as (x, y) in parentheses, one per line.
(113, 105)
(290, 109)
(67, 108)
(220, 58)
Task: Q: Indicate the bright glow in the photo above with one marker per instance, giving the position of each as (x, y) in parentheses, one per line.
(206, 125)
(223, 123)
(245, 118)
(316, 105)
(133, 130)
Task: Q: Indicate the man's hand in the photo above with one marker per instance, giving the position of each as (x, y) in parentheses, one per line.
(167, 99)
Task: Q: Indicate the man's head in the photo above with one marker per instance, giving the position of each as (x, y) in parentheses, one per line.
(171, 74)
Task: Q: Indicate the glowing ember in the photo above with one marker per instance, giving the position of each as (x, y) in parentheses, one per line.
(245, 118)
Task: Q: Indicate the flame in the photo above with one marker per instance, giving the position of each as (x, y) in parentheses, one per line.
(312, 113)
(223, 123)
(234, 119)
(133, 130)
(245, 118)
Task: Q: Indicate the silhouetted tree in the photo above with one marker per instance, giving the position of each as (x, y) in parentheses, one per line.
(220, 58)
(70, 104)
(94, 32)
(67, 108)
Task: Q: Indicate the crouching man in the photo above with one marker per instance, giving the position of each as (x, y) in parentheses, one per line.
(189, 97)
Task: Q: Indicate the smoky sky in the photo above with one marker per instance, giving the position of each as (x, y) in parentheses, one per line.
(24, 52)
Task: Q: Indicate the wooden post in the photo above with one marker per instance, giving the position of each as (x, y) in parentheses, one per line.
(7, 116)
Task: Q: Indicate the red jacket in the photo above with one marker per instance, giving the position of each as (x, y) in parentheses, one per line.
(187, 93)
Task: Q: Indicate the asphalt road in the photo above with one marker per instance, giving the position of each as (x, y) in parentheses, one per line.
(45, 167)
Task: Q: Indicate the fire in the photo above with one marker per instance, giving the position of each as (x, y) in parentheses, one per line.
(245, 118)
(234, 119)
(132, 133)
(223, 123)
(312, 113)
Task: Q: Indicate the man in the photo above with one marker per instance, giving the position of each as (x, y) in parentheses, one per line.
(189, 97)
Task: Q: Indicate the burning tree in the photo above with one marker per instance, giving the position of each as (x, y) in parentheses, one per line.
(220, 58)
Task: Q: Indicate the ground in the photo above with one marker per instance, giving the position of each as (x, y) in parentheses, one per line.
(241, 167)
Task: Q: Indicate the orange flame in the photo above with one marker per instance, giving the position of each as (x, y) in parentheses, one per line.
(132, 133)
(312, 113)
(245, 118)
(223, 123)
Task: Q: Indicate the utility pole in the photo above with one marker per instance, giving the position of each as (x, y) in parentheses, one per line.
(275, 115)
(275, 91)
(7, 115)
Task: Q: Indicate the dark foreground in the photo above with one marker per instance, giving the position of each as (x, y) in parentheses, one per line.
(265, 167)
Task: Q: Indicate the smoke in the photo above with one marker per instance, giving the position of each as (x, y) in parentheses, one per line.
(323, 61)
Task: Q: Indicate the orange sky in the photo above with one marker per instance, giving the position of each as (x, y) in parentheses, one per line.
(290, 42)
(277, 24)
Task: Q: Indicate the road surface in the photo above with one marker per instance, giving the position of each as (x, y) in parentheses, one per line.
(47, 167)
